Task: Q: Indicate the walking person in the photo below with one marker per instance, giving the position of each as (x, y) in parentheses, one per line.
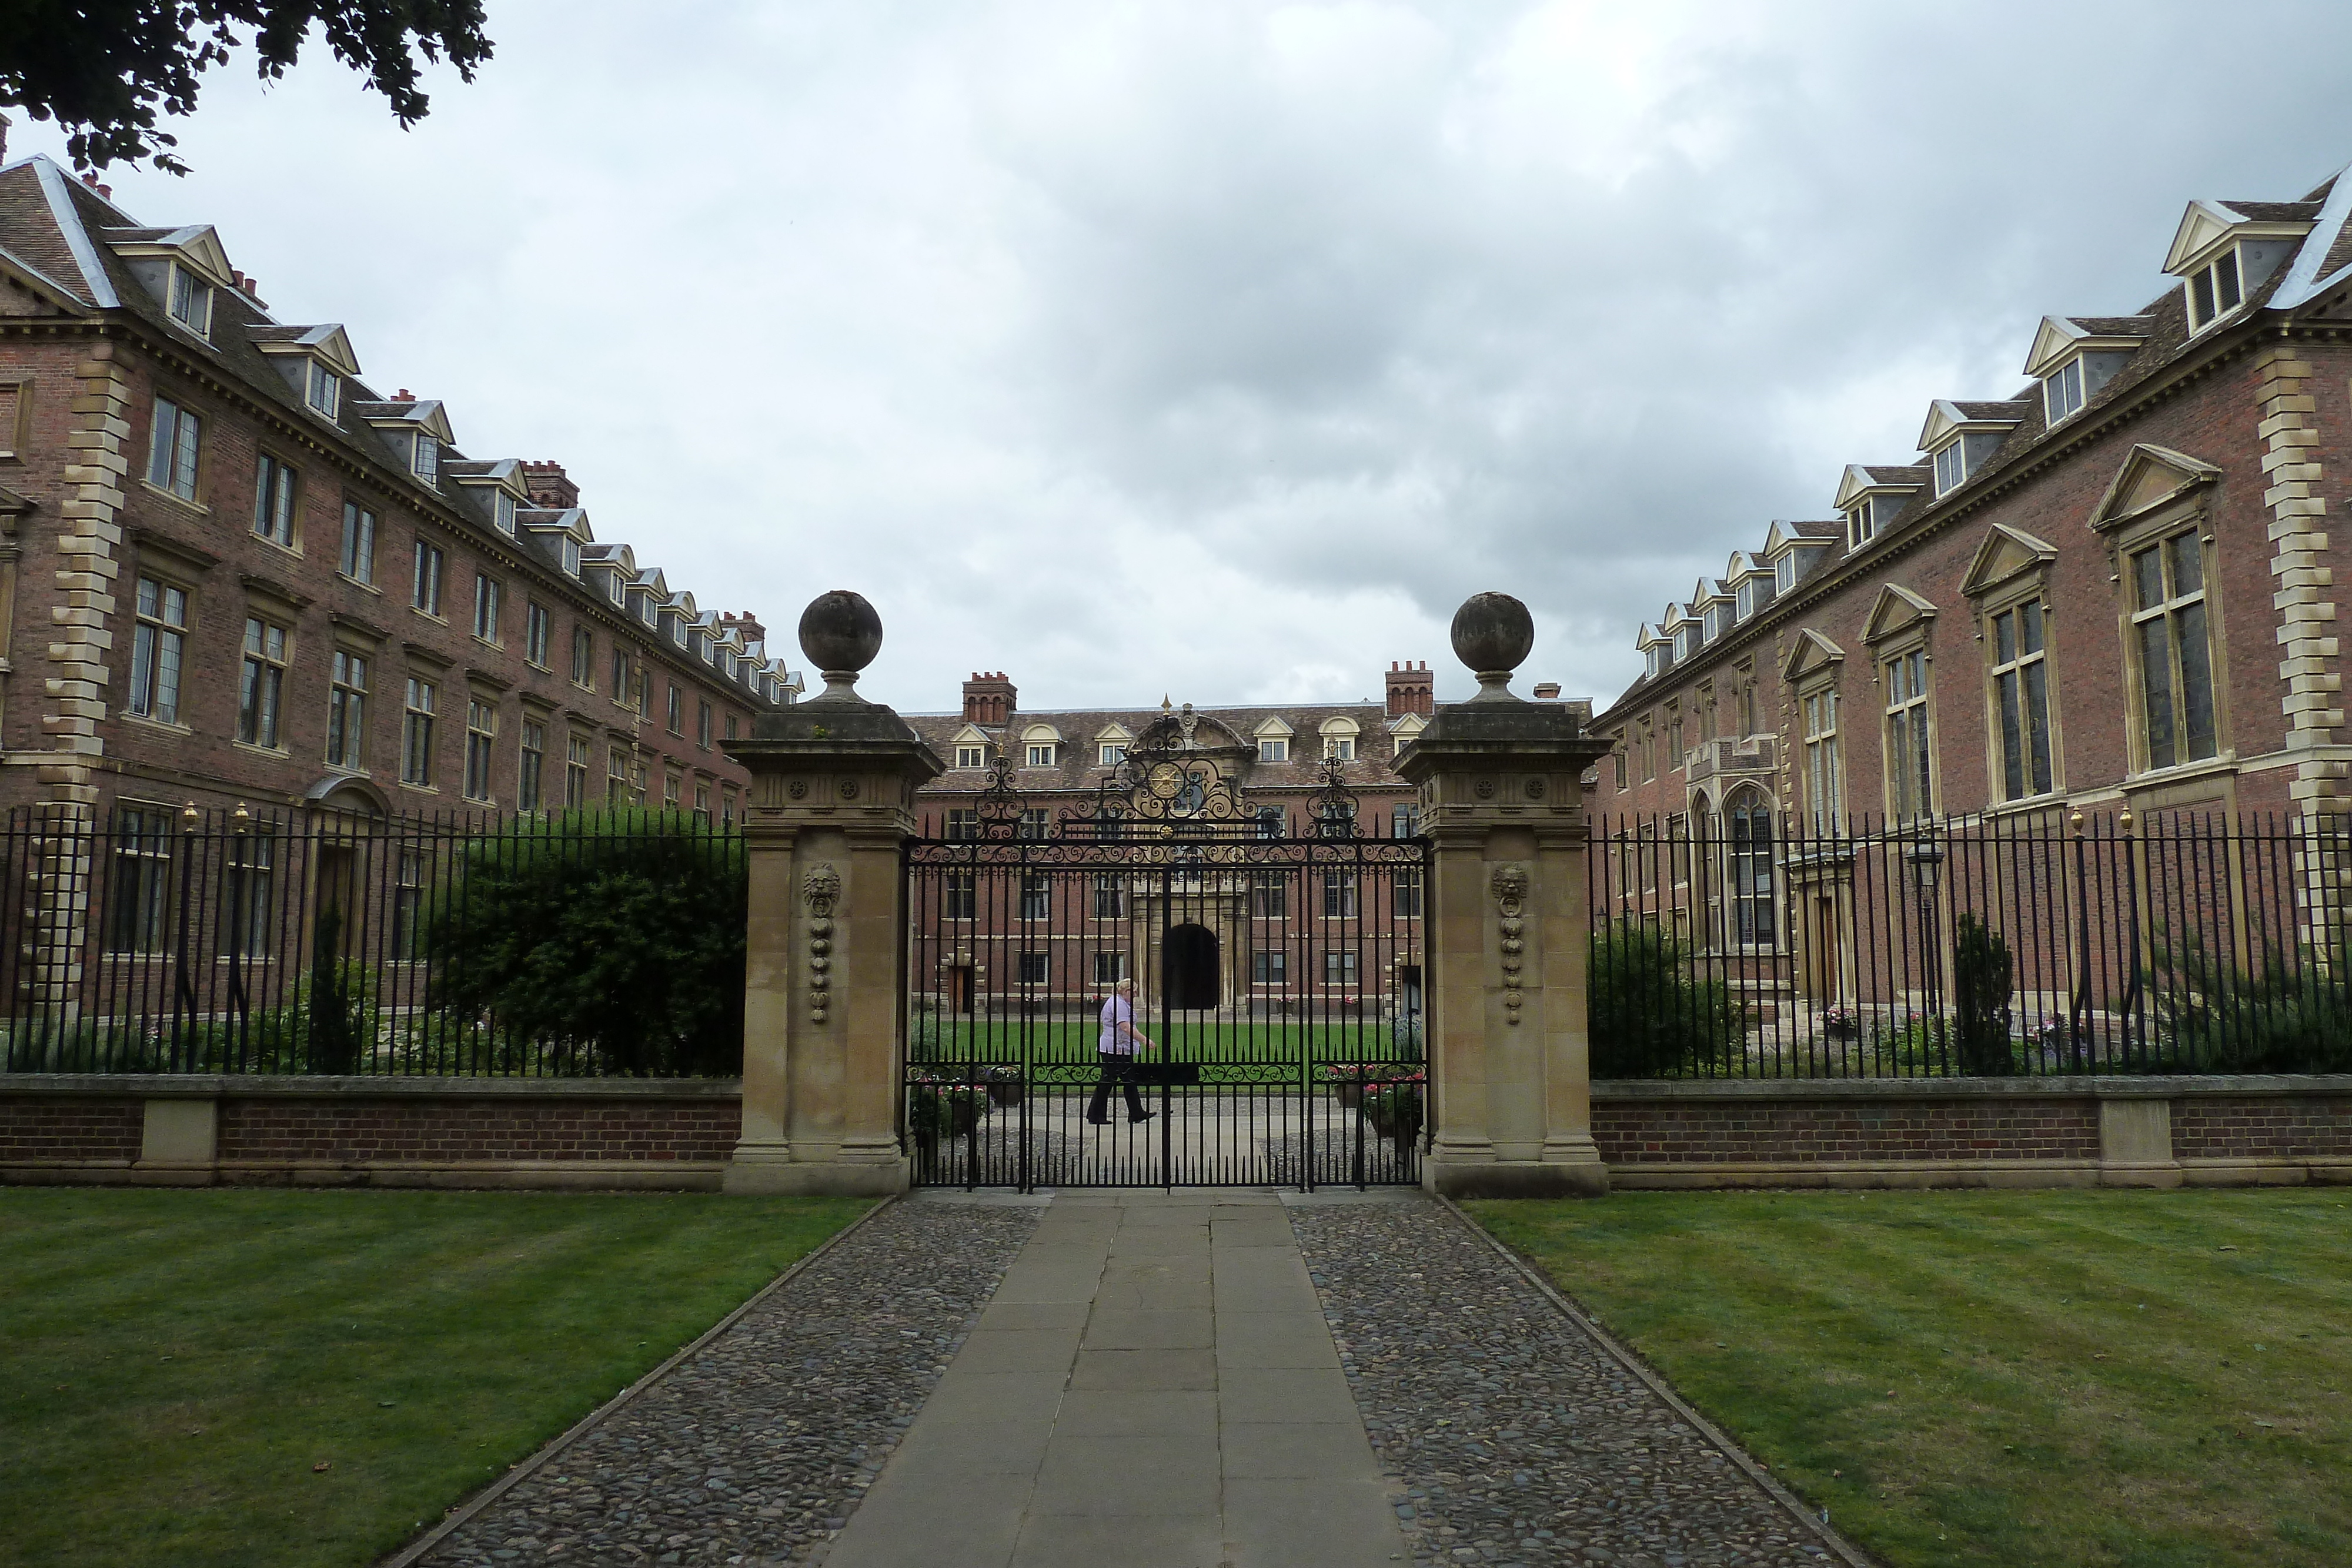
(1116, 1047)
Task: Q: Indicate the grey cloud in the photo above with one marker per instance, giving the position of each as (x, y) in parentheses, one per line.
(1220, 349)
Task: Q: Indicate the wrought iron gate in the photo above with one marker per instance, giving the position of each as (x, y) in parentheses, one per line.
(1276, 968)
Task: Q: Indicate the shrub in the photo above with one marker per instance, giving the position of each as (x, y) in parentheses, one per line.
(619, 933)
(1982, 978)
(1649, 1016)
(2285, 1017)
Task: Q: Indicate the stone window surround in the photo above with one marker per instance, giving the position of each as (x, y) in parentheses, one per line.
(1990, 600)
(2122, 540)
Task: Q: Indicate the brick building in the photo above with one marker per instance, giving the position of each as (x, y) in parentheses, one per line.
(1342, 946)
(233, 570)
(2112, 587)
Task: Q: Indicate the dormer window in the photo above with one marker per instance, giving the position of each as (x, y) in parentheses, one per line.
(191, 301)
(1111, 753)
(678, 630)
(2061, 394)
(323, 390)
(1653, 659)
(614, 588)
(971, 756)
(1685, 642)
(1861, 523)
(571, 555)
(1743, 603)
(2214, 290)
(1712, 626)
(424, 458)
(1041, 753)
(1951, 462)
(502, 511)
(645, 611)
(1274, 748)
(1784, 573)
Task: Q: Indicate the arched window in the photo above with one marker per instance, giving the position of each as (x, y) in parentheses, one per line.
(1751, 892)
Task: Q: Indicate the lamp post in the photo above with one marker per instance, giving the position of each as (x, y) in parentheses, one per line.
(1927, 858)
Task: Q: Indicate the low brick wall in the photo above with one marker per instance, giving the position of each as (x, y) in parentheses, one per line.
(370, 1131)
(38, 1129)
(1654, 1133)
(2206, 1127)
(411, 1132)
(2052, 1131)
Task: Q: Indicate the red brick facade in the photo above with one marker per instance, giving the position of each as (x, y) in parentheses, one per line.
(2244, 1129)
(2231, 433)
(360, 1132)
(46, 1129)
(1892, 1129)
(99, 382)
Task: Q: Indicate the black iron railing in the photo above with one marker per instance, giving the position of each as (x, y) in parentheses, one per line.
(575, 943)
(1749, 946)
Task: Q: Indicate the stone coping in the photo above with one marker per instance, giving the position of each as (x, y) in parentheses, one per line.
(2121, 1086)
(298, 1086)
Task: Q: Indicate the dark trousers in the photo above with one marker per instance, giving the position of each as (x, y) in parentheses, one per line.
(1118, 1069)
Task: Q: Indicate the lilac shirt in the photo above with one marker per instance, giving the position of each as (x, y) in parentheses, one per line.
(1118, 1020)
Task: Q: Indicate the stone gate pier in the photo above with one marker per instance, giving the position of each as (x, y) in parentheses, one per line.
(1502, 800)
(830, 803)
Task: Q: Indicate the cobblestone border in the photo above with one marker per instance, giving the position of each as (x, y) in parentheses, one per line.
(1625, 1356)
(480, 1502)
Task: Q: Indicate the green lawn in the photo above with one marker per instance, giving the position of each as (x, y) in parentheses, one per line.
(2068, 1379)
(179, 1363)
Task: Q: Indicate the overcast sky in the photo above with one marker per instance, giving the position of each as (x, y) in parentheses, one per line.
(1219, 350)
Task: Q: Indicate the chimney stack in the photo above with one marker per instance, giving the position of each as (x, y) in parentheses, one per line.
(89, 178)
(742, 621)
(1412, 689)
(988, 699)
(550, 487)
(1547, 691)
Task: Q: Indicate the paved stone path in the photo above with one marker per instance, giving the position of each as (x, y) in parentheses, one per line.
(1514, 1435)
(758, 1449)
(1196, 1379)
(1152, 1386)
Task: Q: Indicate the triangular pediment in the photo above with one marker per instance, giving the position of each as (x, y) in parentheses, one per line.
(969, 735)
(1272, 728)
(1114, 732)
(2202, 227)
(2006, 551)
(334, 347)
(2053, 342)
(2151, 477)
(200, 251)
(1406, 725)
(1809, 654)
(1897, 609)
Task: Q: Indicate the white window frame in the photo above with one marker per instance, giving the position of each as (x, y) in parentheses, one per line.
(1111, 753)
(1041, 753)
(424, 458)
(188, 299)
(322, 388)
(1861, 523)
(1951, 462)
(1824, 756)
(2062, 391)
(1908, 732)
(2223, 294)
(971, 756)
(1274, 748)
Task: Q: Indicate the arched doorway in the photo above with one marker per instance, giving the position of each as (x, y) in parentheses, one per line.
(1189, 967)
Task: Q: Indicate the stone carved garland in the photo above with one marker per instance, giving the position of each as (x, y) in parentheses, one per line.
(821, 890)
(1511, 889)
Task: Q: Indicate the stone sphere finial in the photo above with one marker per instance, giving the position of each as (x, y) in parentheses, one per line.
(1493, 634)
(840, 633)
